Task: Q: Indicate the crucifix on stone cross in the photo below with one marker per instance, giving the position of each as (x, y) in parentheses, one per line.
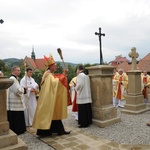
(133, 54)
(100, 45)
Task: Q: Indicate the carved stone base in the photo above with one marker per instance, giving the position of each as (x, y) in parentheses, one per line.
(10, 141)
(4, 128)
(148, 104)
(103, 124)
(105, 116)
(148, 98)
(134, 105)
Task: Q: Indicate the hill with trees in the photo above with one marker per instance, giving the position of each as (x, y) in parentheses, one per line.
(6, 64)
(12, 61)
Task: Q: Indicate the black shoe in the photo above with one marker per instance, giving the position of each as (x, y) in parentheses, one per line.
(65, 132)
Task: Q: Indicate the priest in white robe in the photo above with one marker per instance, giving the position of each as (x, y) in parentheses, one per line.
(30, 97)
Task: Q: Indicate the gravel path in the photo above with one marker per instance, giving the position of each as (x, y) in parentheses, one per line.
(33, 142)
(131, 130)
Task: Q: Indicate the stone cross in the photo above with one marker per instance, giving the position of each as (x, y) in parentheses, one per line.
(133, 55)
(100, 45)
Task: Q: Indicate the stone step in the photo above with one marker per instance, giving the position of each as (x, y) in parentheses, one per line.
(8, 139)
(19, 146)
(136, 107)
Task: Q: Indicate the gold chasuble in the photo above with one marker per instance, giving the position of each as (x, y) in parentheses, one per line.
(52, 102)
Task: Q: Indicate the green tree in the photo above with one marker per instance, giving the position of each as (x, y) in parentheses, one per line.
(59, 68)
(72, 72)
(4, 68)
(2, 65)
(37, 76)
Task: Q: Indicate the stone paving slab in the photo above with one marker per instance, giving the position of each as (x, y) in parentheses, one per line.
(80, 140)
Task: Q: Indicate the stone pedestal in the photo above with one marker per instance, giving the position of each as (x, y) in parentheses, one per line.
(134, 100)
(104, 113)
(8, 139)
(148, 104)
(149, 98)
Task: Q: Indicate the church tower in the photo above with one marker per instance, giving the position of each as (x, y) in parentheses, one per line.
(33, 53)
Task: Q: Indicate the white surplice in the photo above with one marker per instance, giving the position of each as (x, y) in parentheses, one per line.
(29, 99)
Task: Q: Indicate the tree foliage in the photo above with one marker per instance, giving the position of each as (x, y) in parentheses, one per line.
(4, 68)
(59, 68)
(72, 72)
(37, 75)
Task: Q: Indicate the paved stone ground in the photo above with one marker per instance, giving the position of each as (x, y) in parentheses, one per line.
(80, 140)
(130, 134)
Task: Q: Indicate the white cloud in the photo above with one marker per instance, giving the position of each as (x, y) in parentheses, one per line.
(70, 25)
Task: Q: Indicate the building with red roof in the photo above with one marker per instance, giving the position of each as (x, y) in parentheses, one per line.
(119, 62)
(122, 63)
(34, 63)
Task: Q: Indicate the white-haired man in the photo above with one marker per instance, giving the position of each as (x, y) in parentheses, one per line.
(121, 84)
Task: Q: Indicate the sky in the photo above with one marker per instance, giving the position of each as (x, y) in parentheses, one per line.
(45, 25)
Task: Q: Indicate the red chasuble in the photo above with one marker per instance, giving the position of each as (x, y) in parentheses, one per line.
(144, 90)
(74, 104)
(119, 93)
(64, 80)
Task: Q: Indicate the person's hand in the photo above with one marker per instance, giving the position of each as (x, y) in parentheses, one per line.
(120, 82)
(26, 88)
(32, 90)
(146, 85)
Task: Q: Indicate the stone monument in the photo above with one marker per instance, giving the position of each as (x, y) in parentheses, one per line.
(134, 99)
(8, 139)
(104, 113)
(149, 99)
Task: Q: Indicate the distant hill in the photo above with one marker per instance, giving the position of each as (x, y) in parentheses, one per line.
(67, 63)
(14, 61)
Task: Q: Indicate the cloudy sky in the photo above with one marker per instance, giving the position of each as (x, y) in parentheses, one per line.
(71, 25)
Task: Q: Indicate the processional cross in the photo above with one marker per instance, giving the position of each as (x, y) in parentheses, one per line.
(133, 55)
(1, 21)
(101, 55)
